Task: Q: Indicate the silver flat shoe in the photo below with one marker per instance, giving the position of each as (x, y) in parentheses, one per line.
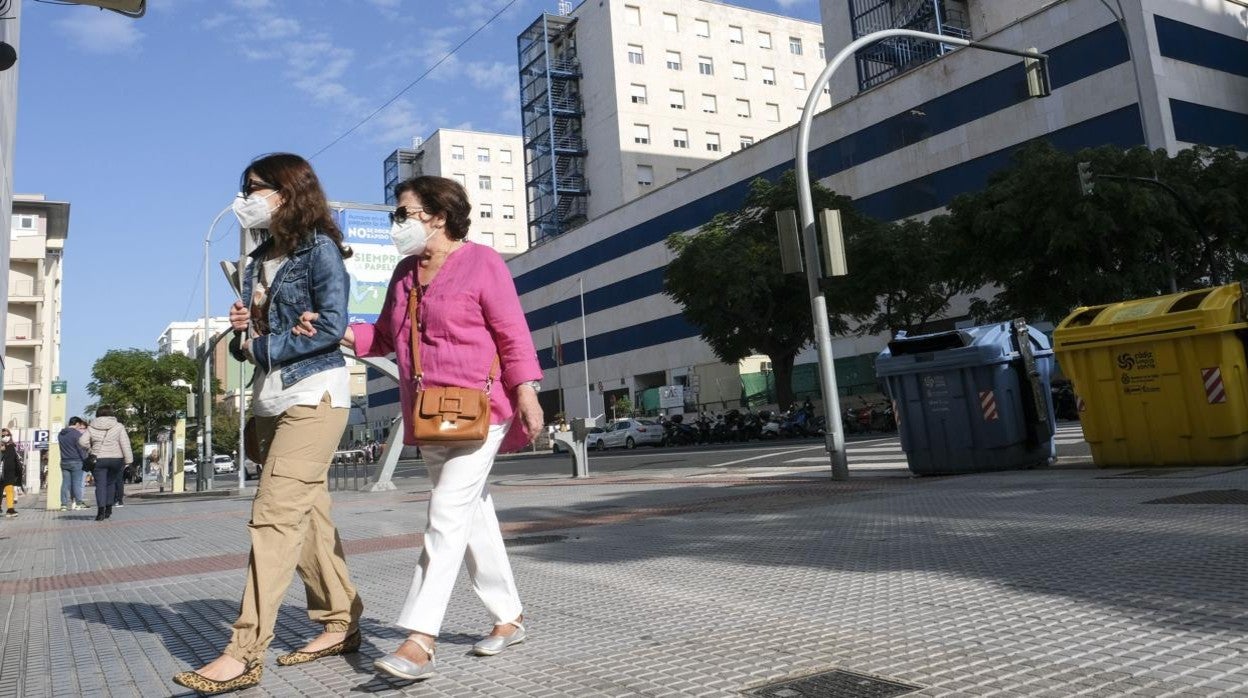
(402, 668)
(494, 644)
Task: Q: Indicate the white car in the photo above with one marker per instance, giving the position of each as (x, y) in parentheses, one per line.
(223, 464)
(629, 433)
(189, 467)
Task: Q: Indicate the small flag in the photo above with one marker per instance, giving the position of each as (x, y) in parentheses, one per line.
(556, 347)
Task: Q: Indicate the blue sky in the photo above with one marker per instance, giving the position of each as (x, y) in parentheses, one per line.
(144, 126)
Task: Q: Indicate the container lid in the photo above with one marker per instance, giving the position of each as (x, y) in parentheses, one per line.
(974, 346)
(1200, 311)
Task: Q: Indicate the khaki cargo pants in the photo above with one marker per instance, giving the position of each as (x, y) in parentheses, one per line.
(291, 530)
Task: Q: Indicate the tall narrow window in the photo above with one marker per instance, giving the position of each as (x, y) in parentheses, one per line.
(743, 108)
(769, 76)
(507, 183)
(486, 210)
(673, 60)
(773, 112)
(709, 104)
(641, 134)
(670, 23)
(483, 182)
(702, 28)
(509, 213)
(509, 240)
(799, 81)
(712, 142)
(457, 152)
(483, 154)
(706, 65)
(636, 55)
(632, 16)
(795, 45)
(487, 239)
(823, 56)
(680, 138)
(638, 93)
(735, 35)
(676, 99)
(764, 40)
(645, 175)
(504, 156)
(738, 71)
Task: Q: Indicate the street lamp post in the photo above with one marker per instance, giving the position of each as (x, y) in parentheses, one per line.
(835, 438)
(205, 459)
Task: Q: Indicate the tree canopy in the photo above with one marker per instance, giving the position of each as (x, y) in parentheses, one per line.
(140, 386)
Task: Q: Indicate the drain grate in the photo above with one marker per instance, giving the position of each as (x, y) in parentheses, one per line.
(533, 540)
(1206, 497)
(836, 684)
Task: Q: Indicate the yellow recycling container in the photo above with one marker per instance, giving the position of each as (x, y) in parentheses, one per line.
(1162, 381)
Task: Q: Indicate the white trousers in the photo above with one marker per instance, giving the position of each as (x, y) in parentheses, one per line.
(462, 527)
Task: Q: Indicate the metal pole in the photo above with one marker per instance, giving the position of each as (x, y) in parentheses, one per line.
(242, 424)
(206, 397)
(589, 411)
(835, 438)
(1121, 18)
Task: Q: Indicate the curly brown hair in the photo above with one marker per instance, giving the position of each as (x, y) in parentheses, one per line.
(304, 208)
(440, 196)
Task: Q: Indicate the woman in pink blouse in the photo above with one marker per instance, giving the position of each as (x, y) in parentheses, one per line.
(469, 312)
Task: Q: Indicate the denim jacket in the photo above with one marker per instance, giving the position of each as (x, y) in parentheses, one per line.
(313, 277)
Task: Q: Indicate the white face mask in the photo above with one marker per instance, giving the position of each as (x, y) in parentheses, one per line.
(409, 236)
(8, 439)
(253, 212)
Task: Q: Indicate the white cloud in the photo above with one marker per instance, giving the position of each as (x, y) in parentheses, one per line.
(100, 32)
(492, 76)
(786, 4)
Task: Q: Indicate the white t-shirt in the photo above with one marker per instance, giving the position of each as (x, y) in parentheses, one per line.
(268, 397)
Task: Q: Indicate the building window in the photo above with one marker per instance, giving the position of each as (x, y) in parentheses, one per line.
(769, 76)
(459, 177)
(504, 156)
(507, 184)
(743, 108)
(823, 56)
(486, 210)
(735, 35)
(799, 81)
(676, 99)
(764, 40)
(706, 65)
(487, 239)
(670, 23)
(747, 141)
(636, 55)
(682, 171)
(795, 45)
(483, 154)
(673, 60)
(641, 134)
(738, 71)
(708, 104)
(457, 152)
(712, 142)
(509, 213)
(632, 16)
(483, 182)
(638, 93)
(773, 112)
(24, 222)
(680, 138)
(702, 28)
(645, 175)
(509, 240)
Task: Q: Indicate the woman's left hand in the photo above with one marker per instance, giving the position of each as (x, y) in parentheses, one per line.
(530, 411)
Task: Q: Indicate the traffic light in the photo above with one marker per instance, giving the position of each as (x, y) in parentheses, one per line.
(1085, 178)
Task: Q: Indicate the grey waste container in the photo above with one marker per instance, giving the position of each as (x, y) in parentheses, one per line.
(972, 400)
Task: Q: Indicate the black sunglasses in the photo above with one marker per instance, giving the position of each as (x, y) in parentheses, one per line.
(252, 187)
(400, 214)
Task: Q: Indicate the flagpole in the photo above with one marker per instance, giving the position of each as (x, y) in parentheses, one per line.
(580, 283)
(558, 349)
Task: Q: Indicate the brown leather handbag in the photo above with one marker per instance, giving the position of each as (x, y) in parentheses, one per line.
(446, 413)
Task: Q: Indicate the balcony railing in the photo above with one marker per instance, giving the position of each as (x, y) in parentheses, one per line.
(25, 287)
(21, 375)
(24, 331)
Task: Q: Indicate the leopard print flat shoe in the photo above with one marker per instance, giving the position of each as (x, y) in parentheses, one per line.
(208, 687)
(350, 644)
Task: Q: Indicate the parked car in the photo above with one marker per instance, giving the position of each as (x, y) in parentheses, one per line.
(189, 467)
(223, 464)
(629, 433)
(251, 469)
(557, 447)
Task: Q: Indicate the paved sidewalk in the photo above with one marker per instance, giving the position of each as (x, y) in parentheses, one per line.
(1053, 582)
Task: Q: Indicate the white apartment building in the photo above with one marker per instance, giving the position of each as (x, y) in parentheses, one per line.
(32, 331)
(186, 338)
(490, 166)
(624, 96)
(10, 33)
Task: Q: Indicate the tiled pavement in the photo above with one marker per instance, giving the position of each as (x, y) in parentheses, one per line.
(1053, 582)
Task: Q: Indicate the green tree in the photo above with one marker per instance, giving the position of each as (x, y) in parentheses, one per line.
(1046, 248)
(141, 388)
(728, 279)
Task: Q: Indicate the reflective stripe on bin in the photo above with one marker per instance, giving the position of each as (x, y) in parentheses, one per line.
(1215, 391)
(988, 401)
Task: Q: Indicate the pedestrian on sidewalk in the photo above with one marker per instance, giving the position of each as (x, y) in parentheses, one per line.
(72, 454)
(468, 318)
(301, 398)
(12, 472)
(107, 439)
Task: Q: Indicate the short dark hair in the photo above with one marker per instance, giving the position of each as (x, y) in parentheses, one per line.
(440, 196)
(104, 411)
(75, 421)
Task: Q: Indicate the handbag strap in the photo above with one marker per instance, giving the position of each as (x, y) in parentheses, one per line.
(414, 298)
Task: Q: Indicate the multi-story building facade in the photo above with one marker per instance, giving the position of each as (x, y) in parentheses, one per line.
(33, 324)
(10, 33)
(490, 167)
(619, 98)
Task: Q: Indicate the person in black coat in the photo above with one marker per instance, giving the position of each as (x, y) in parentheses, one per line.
(11, 471)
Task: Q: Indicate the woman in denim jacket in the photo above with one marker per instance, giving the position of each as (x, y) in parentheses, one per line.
(300, 399)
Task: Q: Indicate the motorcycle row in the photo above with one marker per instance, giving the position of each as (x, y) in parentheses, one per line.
(746, 425)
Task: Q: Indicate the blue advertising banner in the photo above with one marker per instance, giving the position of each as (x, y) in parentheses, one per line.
(367, 231)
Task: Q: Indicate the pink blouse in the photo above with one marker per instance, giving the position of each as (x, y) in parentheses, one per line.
(469, 312)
